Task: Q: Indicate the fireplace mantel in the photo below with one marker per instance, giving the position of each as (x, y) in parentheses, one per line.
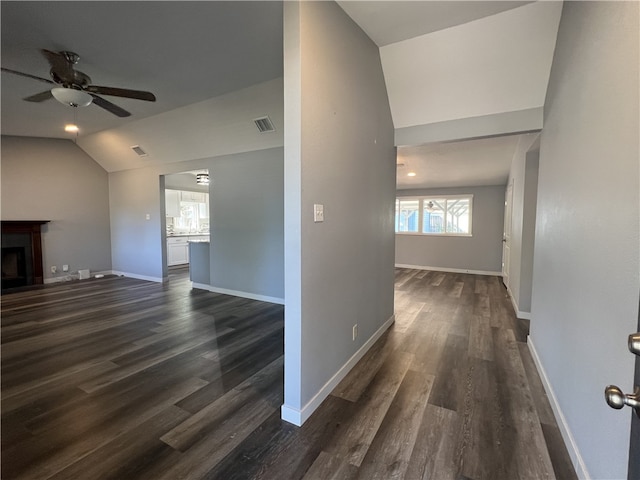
(10, 226)
(31, 227)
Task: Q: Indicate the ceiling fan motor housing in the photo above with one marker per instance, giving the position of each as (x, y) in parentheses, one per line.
(70, 56)
(76, 79)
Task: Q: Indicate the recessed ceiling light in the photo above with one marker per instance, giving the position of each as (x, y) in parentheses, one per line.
(411, 174)
(71, 128)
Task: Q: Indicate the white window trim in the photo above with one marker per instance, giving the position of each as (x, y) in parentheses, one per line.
(421, 201)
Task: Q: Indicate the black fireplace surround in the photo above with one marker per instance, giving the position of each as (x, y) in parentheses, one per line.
(21, 253)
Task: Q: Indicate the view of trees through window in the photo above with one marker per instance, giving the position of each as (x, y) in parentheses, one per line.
(442, 215)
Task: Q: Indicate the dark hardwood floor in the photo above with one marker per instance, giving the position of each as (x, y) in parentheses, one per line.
(117, 378)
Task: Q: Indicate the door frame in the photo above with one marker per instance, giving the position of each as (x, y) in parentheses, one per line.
(506, 233)
(633, 472)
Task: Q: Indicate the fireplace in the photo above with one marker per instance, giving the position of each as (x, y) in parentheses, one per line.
(21, 253)
(14, 267)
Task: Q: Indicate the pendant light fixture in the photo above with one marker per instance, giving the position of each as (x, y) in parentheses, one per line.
(71, 97)
(202, 179)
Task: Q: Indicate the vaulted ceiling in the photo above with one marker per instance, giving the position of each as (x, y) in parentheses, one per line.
(393, 21)
(214, 66)
(449, 64)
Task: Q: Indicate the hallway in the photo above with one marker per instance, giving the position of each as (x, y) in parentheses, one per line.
(449, 392)
(121, 378)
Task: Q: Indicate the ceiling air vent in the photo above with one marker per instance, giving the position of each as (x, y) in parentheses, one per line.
(264, 125)
(139, 151)
(399, 165)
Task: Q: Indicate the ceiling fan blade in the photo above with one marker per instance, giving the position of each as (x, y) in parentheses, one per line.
(60, 65)
(110, 107)
(39, 97)
(22, 74)
(121, 92)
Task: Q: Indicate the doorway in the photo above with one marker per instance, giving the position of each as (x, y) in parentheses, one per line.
(185, 197)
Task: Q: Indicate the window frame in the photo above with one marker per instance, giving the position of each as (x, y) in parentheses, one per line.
(422, 200)
(396, 220)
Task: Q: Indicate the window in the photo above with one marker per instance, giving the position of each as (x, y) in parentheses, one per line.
(437, 215)
(407, 215)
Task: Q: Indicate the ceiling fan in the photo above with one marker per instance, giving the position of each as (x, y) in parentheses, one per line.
(73, 87)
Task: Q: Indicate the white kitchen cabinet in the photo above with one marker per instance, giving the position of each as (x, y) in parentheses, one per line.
(177, 250)
(172, 203)
(195, 197)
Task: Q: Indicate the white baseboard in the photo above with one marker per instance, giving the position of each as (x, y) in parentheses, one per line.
(298, 417)
(567, 436)
(60, 279)
(291, 415)
(451, 270)
(72, 276)
(237, 293)
(138, 277)
(519, 314)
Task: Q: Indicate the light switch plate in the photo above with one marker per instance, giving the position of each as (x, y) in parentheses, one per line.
(318, 212)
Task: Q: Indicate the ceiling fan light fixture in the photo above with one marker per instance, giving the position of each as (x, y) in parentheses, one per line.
(71, 97)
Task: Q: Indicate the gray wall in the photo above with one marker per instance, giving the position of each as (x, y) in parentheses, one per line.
(524, 180)
(530, 198)
(246, 198)
(136, 243)
(338, 152)
(247, 222)
(48, 179)
(586, 267)
(480, 252)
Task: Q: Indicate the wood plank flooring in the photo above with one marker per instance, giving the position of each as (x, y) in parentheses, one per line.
(125, 379)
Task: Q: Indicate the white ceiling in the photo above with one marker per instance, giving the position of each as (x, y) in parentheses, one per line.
(218, 126)
(491, 65)
(484, 161)
(190, 54)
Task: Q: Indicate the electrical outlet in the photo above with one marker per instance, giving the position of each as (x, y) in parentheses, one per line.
(54, 269)
(65, 268)
(355, 332)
